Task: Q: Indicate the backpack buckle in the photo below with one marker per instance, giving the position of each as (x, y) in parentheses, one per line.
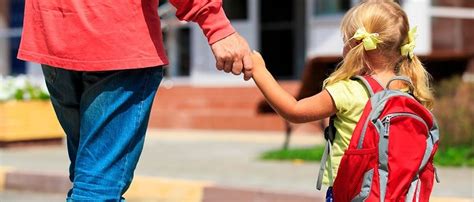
(330, 130)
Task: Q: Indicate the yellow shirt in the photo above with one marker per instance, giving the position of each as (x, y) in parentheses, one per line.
(350, 98)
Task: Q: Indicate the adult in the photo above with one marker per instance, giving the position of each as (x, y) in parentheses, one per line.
(102, 64)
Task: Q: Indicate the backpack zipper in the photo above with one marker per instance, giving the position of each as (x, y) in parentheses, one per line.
(386, 125)
(386, 121)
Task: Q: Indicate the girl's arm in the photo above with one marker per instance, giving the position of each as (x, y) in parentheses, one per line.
(313, 108)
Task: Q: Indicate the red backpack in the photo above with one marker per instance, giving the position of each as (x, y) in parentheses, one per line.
(390, 156)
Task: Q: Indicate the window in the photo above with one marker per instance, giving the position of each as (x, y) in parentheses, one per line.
(235, 9)
(15, 20)
(184, 51)
(330, 7)
(277, 11)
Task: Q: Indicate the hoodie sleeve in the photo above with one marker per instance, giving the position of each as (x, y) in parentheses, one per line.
(208, 14)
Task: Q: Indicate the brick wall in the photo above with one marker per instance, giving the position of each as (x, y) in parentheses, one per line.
(454, 35)
(455, 3)
(188, 107)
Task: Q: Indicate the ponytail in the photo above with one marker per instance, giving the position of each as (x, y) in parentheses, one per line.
(413, 68)
(352, 64)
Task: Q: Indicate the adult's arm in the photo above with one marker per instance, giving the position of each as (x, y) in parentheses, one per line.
(208, 14)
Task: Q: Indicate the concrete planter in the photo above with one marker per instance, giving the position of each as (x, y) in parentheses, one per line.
(27, 121)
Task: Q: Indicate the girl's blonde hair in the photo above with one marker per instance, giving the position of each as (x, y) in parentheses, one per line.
(386, 18)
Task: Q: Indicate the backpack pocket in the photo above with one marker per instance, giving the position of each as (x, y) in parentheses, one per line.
(404, 151)
(356, 165)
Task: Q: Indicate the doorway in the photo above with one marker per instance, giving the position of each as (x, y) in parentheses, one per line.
(283, 37)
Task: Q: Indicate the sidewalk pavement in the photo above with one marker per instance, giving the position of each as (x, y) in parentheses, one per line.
(195, 166)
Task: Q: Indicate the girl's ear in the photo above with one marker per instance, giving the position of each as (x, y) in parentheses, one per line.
(345, 50)
(355, 42)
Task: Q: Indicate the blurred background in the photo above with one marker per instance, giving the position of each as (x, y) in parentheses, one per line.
(209, 126)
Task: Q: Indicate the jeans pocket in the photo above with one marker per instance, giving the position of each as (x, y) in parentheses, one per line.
(50, 73)
(159, 71)
(157, 74)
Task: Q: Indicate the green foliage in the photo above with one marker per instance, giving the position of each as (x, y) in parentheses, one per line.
(307, 154)
(455, 156)
(21, 88)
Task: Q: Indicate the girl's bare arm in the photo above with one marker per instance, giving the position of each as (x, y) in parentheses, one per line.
(313, 108)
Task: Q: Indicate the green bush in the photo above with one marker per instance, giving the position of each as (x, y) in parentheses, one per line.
(21, 88)
(454, 111)
(451, 156)
(307, 154)
(455, 156)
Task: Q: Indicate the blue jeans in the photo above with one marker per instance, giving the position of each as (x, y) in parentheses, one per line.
(105, 116)
(329, 195)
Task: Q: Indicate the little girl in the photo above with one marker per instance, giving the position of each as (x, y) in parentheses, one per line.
(379, 43)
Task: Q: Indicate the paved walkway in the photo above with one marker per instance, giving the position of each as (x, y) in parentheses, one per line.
(224, 158)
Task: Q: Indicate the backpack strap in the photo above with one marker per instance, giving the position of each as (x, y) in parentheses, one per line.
(329, 135)
(406, 79)
(371, 84)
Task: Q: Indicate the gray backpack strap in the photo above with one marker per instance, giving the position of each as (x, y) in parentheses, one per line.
(436, 175)
(329, 135)
(326, 159)
(406, 79)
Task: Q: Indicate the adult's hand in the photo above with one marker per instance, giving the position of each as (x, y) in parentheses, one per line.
(233, 55)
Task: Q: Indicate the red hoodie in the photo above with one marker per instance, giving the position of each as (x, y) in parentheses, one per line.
(99, 35)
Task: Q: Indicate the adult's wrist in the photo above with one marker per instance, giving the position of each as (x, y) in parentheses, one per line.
(215, 25)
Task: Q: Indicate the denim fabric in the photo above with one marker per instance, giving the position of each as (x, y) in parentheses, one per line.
(105, 117)
(329, 195)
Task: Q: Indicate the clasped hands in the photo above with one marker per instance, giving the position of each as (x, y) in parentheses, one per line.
(233, 54)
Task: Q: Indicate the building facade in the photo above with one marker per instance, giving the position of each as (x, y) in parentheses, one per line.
(287, 33)
(290, 32)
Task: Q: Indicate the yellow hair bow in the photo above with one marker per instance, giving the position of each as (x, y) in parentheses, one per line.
(407, 49)
(370, 40)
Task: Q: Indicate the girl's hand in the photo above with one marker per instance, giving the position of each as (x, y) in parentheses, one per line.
(309, 109)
